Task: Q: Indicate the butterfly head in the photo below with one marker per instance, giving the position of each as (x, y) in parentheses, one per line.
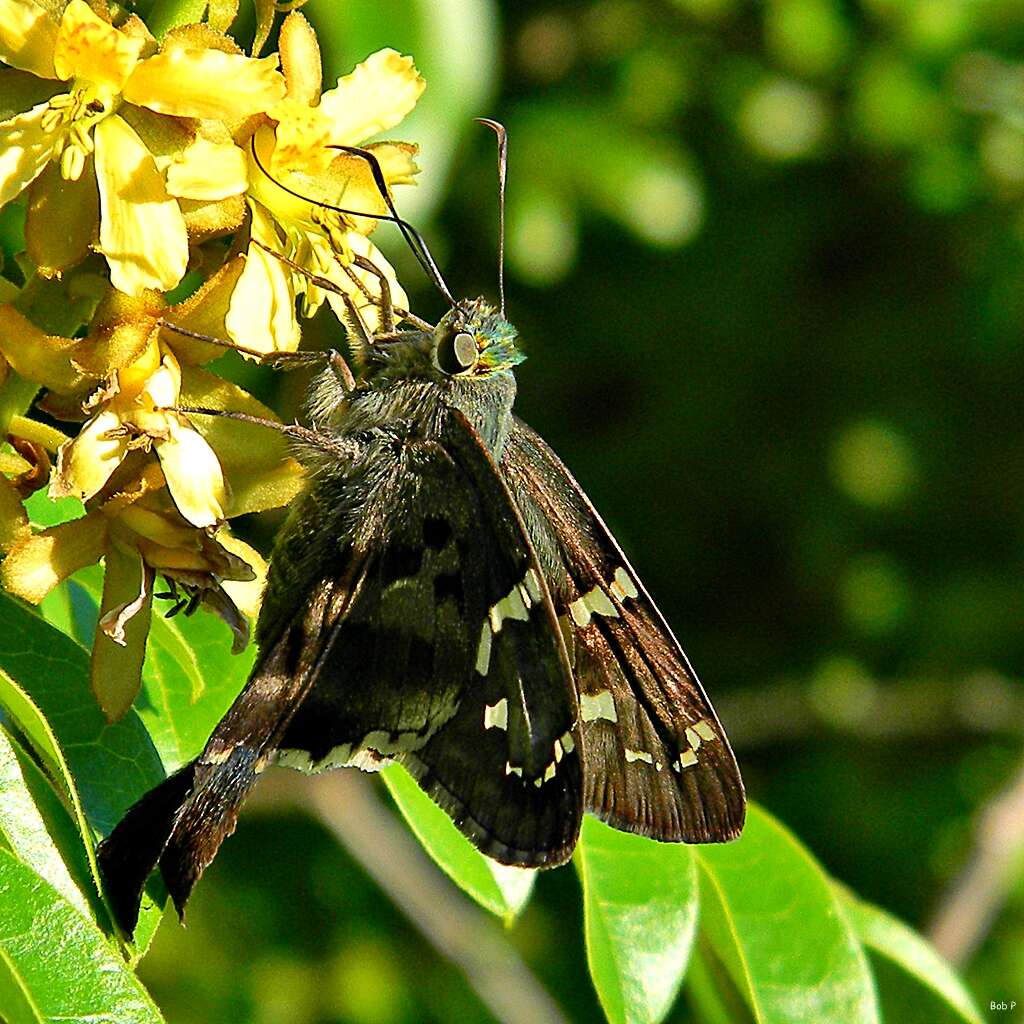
(474, 340)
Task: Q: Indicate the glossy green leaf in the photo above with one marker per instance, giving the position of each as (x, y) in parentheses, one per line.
(710, 990)
(30, 721)
(112, 763)
(929, 988)
(102, 768)
(773, 919)
(189, 679)
(54, 964)
(30, 815)
(180, 724)
(640, 902)
(499, 889)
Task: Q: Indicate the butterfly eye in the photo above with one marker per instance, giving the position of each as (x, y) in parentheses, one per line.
(457, 353)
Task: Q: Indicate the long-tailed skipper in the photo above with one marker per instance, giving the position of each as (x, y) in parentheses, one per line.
(444, 595)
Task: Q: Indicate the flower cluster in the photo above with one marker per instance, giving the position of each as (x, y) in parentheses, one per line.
(173, 182)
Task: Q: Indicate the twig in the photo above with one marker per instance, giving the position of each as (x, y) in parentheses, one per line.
(972, 902)
(346, 804)
(983, 703)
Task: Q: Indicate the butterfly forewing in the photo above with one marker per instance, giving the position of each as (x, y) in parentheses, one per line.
(656, 760)
(449, 660)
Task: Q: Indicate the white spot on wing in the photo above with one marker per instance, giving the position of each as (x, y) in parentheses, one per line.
(598, 705)
(483, 651)
(703, 729)
(687, 759)
(692, 738)
(532, 581)
(580, 612)
(594, 602)
(511, 606)
(513, 769)
(568, 743)
(639, 755)
(496, 715)
(598, 601)
(622, 586)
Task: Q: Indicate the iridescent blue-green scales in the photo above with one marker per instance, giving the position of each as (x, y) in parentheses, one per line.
(445, 596)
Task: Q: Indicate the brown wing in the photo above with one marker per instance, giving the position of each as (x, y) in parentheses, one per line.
(655, 759)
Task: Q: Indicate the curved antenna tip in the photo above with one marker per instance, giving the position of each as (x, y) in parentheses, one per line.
(499, 130)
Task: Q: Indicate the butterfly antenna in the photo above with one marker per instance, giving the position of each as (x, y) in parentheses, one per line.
(412, 237)
(499, 131)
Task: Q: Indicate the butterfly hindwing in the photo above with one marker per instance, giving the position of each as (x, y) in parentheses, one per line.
(449, 659)
(656, 760)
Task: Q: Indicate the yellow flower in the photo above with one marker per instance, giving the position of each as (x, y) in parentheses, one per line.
(138, 532)
(132, 415)
(120, 91)
(292, 167)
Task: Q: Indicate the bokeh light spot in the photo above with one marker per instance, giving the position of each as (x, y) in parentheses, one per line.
(874, 594)
(663, 206)
(809, 36)
(873, 464)
(541, 238)
(842, 691)
(782, 119)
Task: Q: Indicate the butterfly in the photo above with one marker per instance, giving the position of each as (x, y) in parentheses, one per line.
(443, 595)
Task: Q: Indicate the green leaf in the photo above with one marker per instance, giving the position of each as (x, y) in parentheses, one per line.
(102, 768)
(54, 964)
(114, 764)
(31, 817)
(181, 653)
(774, 921)
(189, 678)
(640, 903)
(27, 717)
(898, 950)
(496, 888)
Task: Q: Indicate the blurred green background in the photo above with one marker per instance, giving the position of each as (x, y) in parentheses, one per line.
(766, 261)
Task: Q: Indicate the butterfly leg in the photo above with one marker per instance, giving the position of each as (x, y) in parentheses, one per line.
(314, 438)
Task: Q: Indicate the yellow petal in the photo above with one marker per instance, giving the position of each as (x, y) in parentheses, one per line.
(193, 475)
(120, 334)
(300, 59)
(120, 644)
(142, 231)
(208, 170)
(75, 206)
(13, 519)
(246, 594)
(157, 527)
(205, 83)
(256, 459)
(204, 312)
(368, 310)
(92, 50)
(37, 356)
(299, 143)
(24, 150)
(38, 563)
(397, 161)
(163, 386)
(28, 36)
(131, 379)
(373, 98)
(85, 463)
(262, 311)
